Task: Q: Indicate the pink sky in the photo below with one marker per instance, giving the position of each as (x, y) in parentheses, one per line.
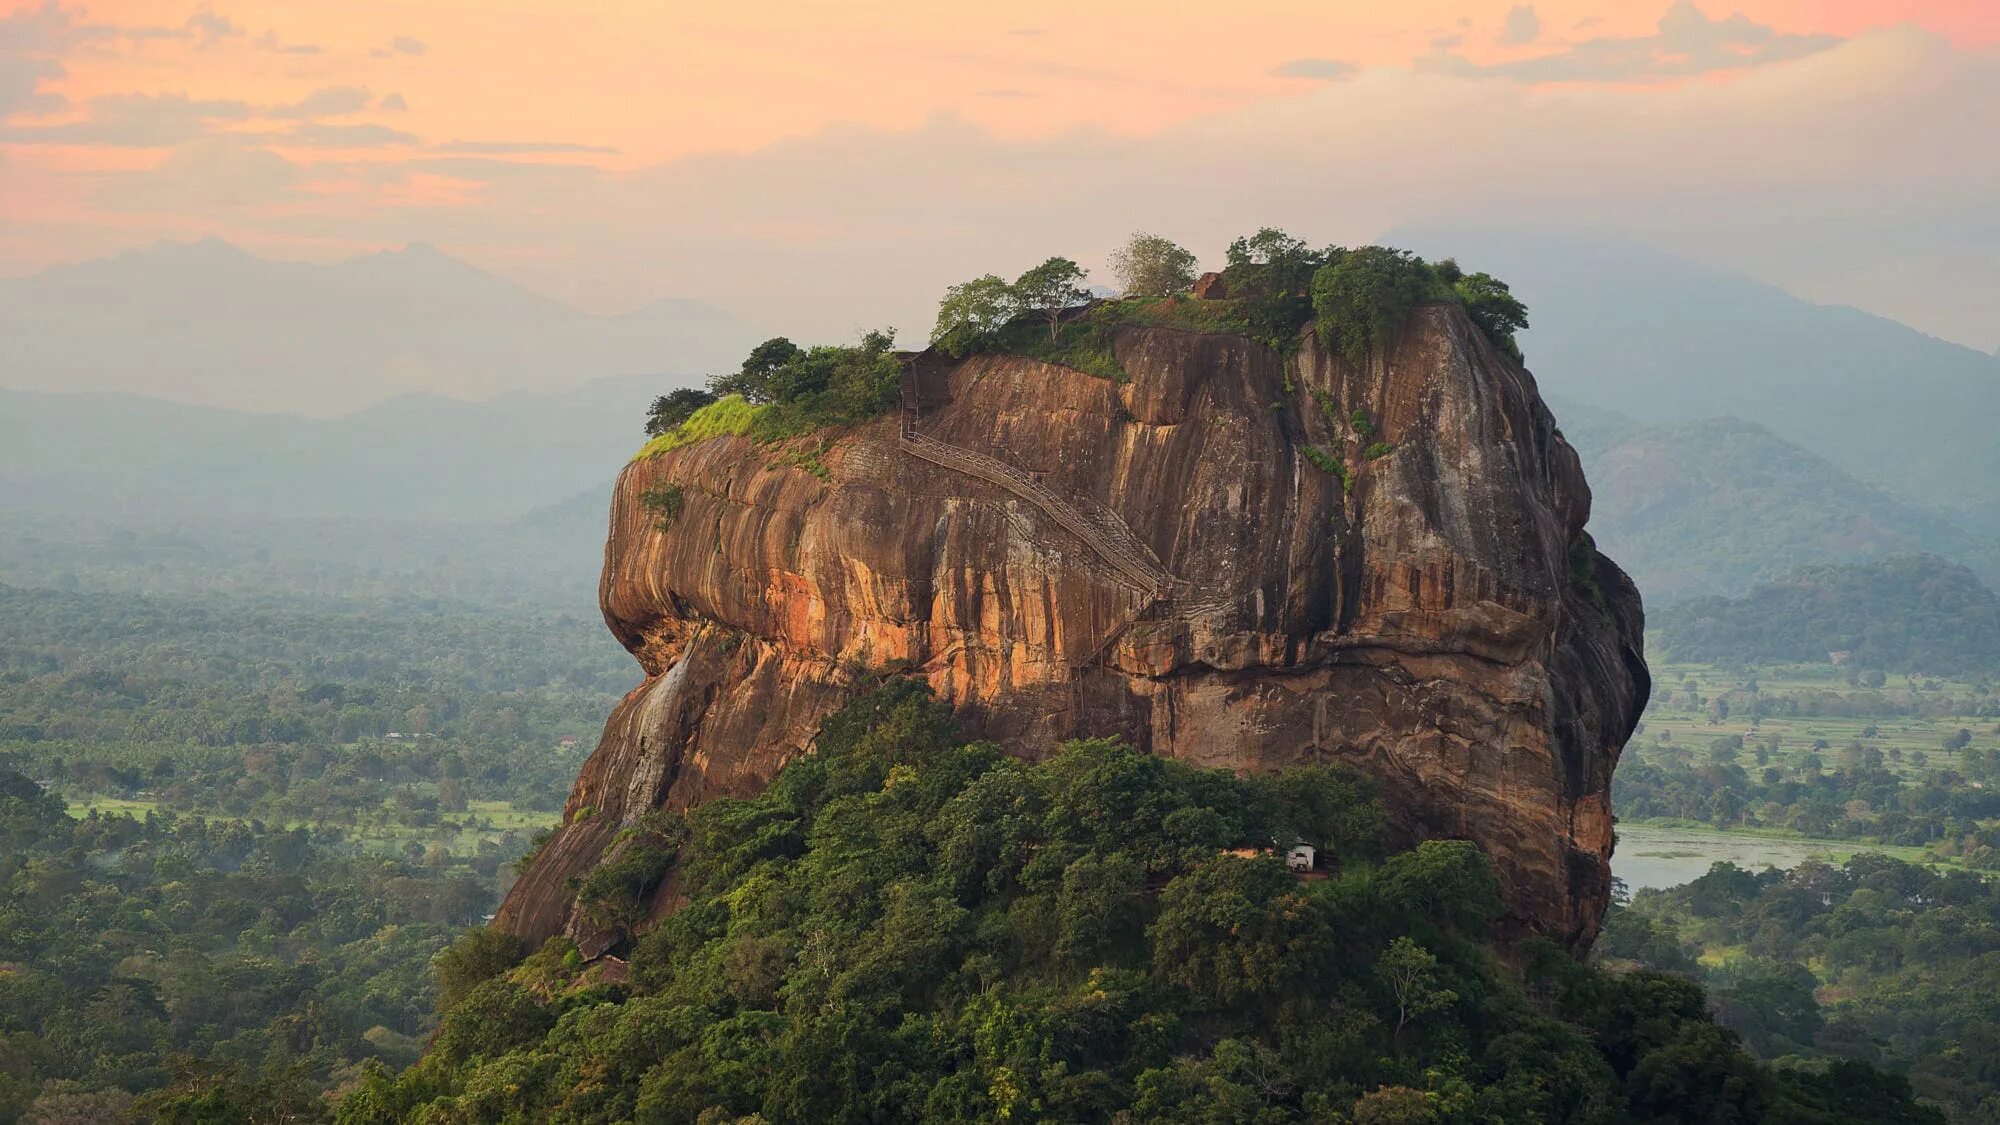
(504, 129)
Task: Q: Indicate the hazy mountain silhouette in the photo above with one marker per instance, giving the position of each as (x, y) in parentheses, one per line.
(205, 323)
(1630, 329)
(1865, 438)
(419, 456)
(1714, 505)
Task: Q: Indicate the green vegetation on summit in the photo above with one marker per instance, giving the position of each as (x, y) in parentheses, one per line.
(782, 391)
(1274, 285)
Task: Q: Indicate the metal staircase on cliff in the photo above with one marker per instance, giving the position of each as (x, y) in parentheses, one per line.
(1107, 536)
(1103, 532)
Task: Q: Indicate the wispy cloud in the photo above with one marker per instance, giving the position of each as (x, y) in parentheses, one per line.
(1688, 43)
(210, 28)
(320, 134)
(1522, 26)
(327, 101)
(167, 120)
(33, 42)
(213, 175)
(515, 148)
(269, 41)
(137, 121)
(1326, 70)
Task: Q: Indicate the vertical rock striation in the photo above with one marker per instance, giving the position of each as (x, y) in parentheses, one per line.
(1382, 564)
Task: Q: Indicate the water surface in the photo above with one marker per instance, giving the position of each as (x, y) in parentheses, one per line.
(1667, 857)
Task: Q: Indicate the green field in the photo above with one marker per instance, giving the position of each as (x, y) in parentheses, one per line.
(1756, 764)
(483, 825)
(1908, 718)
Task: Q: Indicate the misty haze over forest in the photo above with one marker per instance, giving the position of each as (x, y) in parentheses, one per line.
(198, 383)
(1403, 564)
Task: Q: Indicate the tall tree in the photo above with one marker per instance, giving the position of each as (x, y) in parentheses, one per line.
(1271, 263)
(1410, 972)
(1050, 288)
(1363, 297)
(971, 313)
(754, 379)
(1493, 307)
(1151, 266)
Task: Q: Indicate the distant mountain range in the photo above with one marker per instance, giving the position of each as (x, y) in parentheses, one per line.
(1909, 613)
(548, 559)
(1717, 504)
(1658, 339)
(416, 457)
(204, 323)
(1731, 432)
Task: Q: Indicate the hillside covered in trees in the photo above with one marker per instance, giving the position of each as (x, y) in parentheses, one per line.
(1878, 960)
(1712, 506)
(1908, 613)
(909, 926)
(202, 955)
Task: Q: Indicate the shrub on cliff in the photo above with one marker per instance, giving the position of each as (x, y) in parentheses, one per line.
(974, 315)
(1269, 277)
(1490, 304)
(1362, 297)
(756, 380)
(1271, 263)
(670, 410)
(831, 385)
(783, 390)
(987, 314)
(730, 414)
(907, 926)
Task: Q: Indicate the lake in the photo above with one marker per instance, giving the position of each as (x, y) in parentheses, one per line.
(1667, 857)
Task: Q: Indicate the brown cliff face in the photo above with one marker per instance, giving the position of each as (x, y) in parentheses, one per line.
(1442, 624)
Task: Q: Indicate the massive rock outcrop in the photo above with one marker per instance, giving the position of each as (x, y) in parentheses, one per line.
(1382, 564)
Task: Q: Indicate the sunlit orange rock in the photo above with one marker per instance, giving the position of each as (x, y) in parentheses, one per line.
(1440, 621)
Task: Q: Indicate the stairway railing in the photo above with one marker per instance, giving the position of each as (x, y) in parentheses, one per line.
(1124, 557)
(1098, 528)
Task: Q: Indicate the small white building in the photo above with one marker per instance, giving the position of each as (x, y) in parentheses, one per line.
(1300, 858)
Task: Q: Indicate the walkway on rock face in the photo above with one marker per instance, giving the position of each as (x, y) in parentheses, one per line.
(1100, 530)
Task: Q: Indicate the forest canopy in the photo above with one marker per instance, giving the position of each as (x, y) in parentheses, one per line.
(909, 926)
(1906, 613)
(1272, 286)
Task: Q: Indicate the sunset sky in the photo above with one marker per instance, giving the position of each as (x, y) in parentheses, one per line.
(850, 158)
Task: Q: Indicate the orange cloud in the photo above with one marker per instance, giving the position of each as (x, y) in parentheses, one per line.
(331, 109)
(654, 81)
